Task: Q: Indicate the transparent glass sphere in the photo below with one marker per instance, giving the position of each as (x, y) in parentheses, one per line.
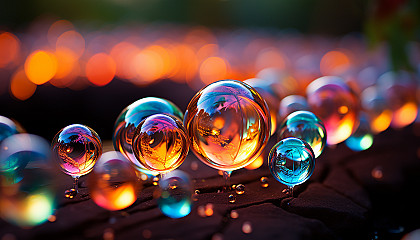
(291, 161)
(131, 117)
(306, 126)
(228, 123)
(334, 102)
(113, 183)
(160, 143)
(377, 109)
(175, 194)
(76, 149)
(17, 151)
(362, 138)
(31, 200)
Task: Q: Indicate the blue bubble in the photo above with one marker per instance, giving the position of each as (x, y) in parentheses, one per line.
(175, 194)
(291, 161)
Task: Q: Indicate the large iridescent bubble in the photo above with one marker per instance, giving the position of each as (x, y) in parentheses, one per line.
(306, 126)
(334, 102)
(228, 123)
(291, 161)
(160, 143)
(130, 118)
(113, 183)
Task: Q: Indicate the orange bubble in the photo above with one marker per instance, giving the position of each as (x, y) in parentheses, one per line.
(20, 86)
(213, 69)
(270, 58)
(404, 115)
(381, 122)
(100, 69)
(71, 40)
(40, 66)
(58, 28)
(334, 63)
(9, 48)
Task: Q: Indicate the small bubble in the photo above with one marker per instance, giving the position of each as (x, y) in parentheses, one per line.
(234, 214)
(377, 173)
(147, 233)
(143, 176)
(194, 165)
(233, 186)
(201, 211)
(108, 234)
(217, 236)
(209, 209)
(197, 191)
(264, 182)
(247, 227)
(232, 198)
(220, 172)
(240, 189)
(52, 218)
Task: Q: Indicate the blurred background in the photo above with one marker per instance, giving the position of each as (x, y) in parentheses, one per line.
(83, 61)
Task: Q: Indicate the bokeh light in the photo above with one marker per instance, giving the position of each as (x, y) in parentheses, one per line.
(41, 66)
(9, 48)
(20, 86)
(100, 69)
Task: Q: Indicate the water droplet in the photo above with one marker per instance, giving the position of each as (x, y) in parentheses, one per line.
(240, 189)
(52, 218)
(194, 166)
(147, 233)
(264, 182)
(108, 234)
(232, 198)
(209, 209)
(234, 214)
(247, 227)
(71, 193)
(377, 173)
(217, 236)
(155, 181)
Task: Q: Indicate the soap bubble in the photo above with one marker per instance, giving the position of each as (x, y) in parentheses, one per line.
(332, 100)
(131, 117)
(375, 105)
(31, 200)
(17, 150)
(113, 183)
(160, 143)
(306, 126)
(291, 161)
(175, 194)
(399, 90)
(228, 123)
(76, 148)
